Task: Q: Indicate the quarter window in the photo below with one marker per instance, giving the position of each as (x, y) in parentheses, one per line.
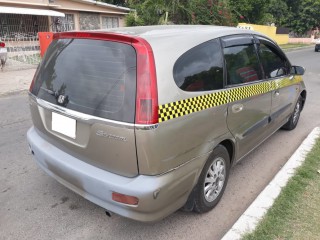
(201, 68)
(242, 64)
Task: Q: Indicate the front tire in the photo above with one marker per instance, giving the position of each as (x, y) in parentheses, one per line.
(294, 118)
(212, 181)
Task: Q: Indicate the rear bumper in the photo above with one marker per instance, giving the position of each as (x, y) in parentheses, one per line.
(97, 185)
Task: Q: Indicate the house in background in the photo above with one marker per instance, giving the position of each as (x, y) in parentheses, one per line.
(27, 17)
(278, 34)
(20, 22)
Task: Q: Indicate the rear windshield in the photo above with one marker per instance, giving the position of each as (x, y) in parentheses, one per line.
(90, 76)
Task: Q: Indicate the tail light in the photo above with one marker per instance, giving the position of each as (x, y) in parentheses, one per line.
(2, 44)
(147, 94)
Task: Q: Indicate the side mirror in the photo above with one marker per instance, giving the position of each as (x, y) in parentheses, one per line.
(297, 70)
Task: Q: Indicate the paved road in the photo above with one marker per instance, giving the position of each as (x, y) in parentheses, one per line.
(34, 206)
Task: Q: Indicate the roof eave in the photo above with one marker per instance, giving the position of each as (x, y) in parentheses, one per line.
(94, 2)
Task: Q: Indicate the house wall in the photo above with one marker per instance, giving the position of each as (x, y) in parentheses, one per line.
(282, 38)
(270, 31)
(302, 40)
(78, 6)
(89, 21)
(85, 16)
(25, 3)
(89, 17)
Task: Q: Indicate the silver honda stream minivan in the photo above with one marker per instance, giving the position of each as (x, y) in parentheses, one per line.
(144, 121)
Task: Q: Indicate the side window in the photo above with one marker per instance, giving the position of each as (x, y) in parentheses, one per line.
(201, 68)
(242, 64)
(273, 63)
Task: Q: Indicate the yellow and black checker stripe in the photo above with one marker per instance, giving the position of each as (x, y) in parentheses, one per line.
(187, 106)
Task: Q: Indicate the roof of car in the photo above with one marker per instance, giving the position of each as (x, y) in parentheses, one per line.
(169, 42)
(164, 31)
(176, 30)
(187, 35)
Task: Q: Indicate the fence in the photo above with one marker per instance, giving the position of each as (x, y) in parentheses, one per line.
(20, 34)
(302, 40)
(23, 52)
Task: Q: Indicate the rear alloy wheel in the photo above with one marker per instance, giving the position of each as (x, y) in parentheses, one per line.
(212, 181)
(294, 118)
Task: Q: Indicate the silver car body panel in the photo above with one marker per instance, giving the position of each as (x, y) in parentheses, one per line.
(97, 142)
(97, 185)
(140, 160)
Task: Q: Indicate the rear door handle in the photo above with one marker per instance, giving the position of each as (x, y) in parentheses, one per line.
(237, 108)
(276, 93)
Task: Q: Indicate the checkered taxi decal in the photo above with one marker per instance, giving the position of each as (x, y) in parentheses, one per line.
(184, 107)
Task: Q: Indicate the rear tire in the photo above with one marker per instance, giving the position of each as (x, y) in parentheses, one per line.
(212, 181)
(294, 118)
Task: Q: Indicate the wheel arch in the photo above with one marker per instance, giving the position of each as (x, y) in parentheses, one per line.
(230, 146)
(303, 95)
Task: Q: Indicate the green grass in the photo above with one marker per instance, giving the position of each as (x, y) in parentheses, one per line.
(296, 212)
(293, 45)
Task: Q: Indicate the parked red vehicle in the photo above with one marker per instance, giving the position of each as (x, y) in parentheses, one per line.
(3, 54)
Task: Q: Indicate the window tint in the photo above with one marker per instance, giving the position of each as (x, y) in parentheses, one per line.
(273, 63)
(201, 68)
(90, 76)
(242, 64)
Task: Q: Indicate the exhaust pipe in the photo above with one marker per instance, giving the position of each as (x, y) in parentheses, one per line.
(31, 151)
(109, 214)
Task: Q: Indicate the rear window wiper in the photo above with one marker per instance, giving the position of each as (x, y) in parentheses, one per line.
(51, 92)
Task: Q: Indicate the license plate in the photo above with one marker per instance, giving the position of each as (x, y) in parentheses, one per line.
(64, 125)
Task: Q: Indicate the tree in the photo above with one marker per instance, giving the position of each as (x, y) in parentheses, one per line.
(252, 11)
(209, 12)
(306, 16)
(152, 12)
(296, 14)
(279, 11)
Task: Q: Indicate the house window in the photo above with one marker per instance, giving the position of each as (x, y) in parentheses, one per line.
(110, 22)
(22, 26)
(63, 24)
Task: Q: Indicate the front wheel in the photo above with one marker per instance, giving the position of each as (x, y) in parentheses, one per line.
(212, 181)
(294, 118)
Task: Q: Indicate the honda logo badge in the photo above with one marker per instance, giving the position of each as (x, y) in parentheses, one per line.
(61, 99)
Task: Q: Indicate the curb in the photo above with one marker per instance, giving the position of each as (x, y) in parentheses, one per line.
(256, 211)
(14, 92)
(297, 48)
